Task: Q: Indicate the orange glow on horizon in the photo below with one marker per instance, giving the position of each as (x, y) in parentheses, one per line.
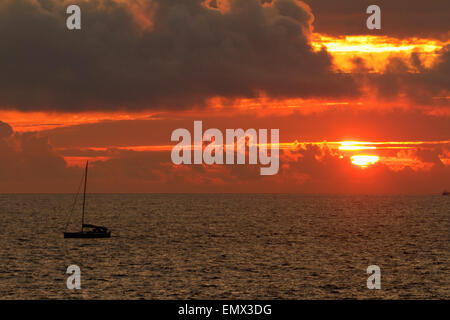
(386, 153)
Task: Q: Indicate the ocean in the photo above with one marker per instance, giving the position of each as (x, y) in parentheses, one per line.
(226, 246)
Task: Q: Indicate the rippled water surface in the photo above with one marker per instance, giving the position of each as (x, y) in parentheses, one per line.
(227, 246)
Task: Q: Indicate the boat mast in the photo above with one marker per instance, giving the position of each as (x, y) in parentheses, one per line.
(84, 194)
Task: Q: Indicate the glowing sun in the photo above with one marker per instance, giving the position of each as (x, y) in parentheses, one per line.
(364, 161)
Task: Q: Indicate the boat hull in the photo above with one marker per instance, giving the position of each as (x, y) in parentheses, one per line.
(86, 235)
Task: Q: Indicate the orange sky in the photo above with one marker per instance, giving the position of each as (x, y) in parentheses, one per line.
(402, 135)
(373, 49)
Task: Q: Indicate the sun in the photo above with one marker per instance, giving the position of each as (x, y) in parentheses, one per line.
(364, 160)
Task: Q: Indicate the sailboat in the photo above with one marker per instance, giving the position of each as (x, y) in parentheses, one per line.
(88, 230)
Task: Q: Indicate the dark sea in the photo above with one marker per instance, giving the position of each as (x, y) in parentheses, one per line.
(252, 246)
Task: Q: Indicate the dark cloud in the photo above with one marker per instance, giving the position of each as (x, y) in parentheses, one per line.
(189, 54)
(430, 155)
(400, 18)
(30, 164)
(424, 86)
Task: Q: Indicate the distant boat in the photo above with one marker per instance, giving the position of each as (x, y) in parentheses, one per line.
(446, 193)
(88, 230)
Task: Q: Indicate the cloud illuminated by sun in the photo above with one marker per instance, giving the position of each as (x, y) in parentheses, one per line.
(375, 50)
(375, 44)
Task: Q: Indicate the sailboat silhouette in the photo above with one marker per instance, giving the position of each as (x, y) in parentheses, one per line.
(88, 230)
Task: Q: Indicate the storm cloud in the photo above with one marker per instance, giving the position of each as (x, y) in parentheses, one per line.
(166, 54)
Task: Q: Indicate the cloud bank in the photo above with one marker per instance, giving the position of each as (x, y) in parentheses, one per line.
(30, 164)
(188, 53)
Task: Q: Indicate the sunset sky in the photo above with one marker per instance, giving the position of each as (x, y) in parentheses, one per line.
(359, 111)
